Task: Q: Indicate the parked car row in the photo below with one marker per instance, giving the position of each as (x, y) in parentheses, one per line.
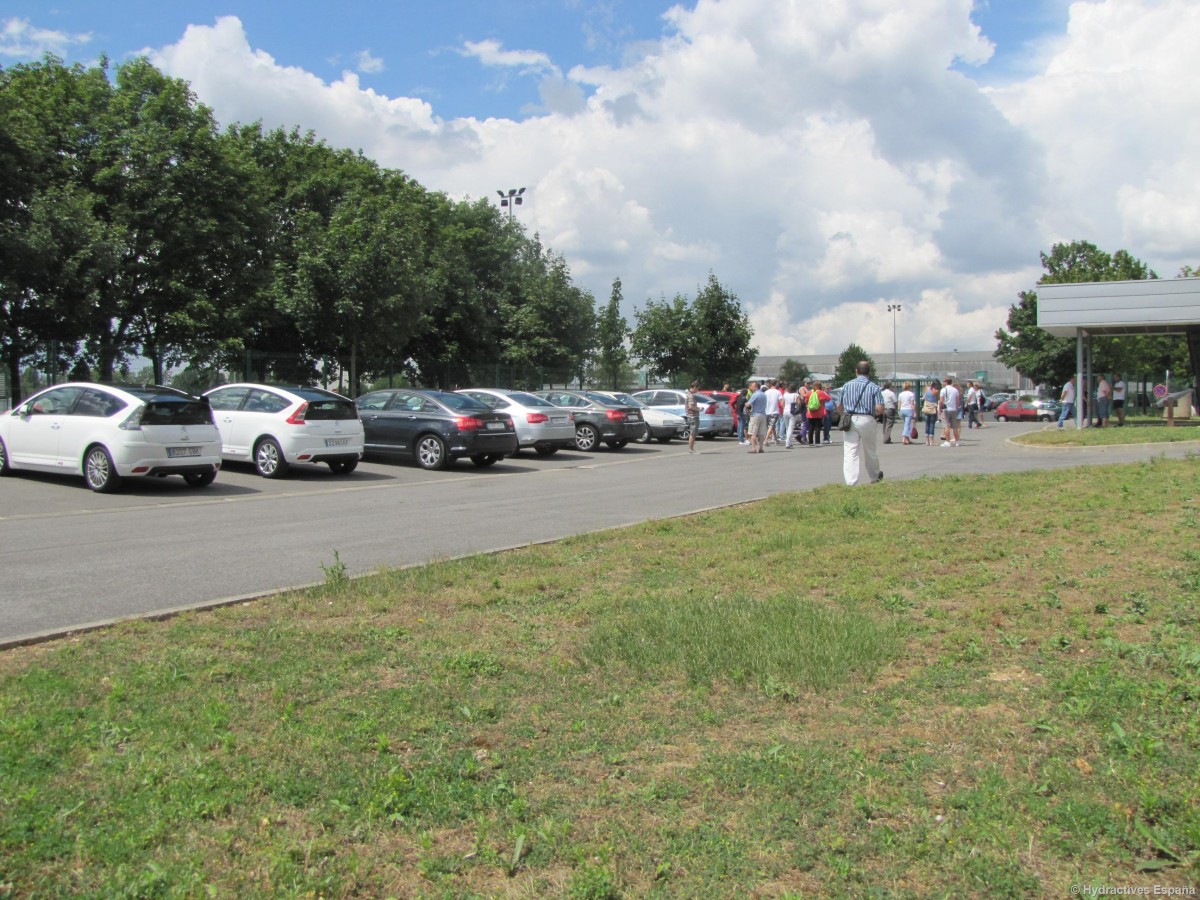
(108, 433)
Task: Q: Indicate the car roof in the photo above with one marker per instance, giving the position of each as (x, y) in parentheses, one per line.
(144, 392)
(299, 390)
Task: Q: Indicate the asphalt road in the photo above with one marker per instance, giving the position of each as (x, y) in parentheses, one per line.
(73, 559)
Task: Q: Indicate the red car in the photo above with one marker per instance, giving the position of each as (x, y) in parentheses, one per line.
(1024, 411)
(727, 396)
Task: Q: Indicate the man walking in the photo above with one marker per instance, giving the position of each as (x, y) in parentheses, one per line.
(691, 412)
(862, 401)
(951, 403)
(1068, 401)
(756, 407)
(889, 411)
(1118, 394)
(774, 400)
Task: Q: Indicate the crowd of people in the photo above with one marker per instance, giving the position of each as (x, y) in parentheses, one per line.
(775, 412)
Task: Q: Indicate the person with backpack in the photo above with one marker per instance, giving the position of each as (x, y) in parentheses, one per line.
(815, 410)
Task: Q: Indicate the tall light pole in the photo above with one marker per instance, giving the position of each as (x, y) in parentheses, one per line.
(511, 199)
(894, 308)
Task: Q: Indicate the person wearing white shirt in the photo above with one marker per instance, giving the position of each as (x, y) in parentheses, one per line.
(950, 401)
(906, 402)
(1118, 400)
(774, 399)
(889, 411)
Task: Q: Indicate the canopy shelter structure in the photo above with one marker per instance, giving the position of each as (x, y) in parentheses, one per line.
(1116, 308)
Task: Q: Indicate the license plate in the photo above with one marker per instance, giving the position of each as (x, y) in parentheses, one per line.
(336, 442)
(558, 420)
(635, 417)
(495, 426)
(177, 452)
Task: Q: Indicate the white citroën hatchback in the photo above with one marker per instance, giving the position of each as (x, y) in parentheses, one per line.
(107, 433)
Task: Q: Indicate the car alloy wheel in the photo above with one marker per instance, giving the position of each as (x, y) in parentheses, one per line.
(268, 459)
(644, 437)
(3, 459)
(99, 471)
(586, 437)
(431, 452)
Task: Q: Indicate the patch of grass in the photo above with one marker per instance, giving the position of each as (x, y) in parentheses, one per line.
(1011, 710)
(1145, 431)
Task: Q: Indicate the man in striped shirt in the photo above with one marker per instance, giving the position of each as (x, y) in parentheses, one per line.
(862, 401)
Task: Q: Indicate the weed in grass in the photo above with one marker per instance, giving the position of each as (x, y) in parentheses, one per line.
(335, 572)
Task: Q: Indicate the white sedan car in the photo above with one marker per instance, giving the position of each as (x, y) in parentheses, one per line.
(106, 433)
(277, 427)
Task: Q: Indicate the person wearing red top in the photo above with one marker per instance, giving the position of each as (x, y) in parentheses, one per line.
(815, 410)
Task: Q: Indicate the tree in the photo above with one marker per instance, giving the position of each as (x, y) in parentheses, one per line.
(1048, 359)
(794, 372)
(721, 335)
(847, 362)
(662, 338)
(612, 356)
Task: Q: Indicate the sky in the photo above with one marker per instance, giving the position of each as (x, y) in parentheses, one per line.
(824, 159)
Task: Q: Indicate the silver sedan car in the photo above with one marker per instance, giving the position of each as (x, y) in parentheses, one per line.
(540, 424)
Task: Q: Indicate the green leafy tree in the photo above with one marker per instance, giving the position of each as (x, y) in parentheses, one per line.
(721, 337)
(1048, 359)
(794, 372)
(612, 331)
(663, 337)
(847, 362)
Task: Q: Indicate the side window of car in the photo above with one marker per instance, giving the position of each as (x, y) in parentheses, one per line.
(227, 398)
(98, 404)
(57, 402)
(265, 402)
(374, 401)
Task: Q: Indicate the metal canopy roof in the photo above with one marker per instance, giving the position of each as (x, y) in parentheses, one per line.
(1152, 306)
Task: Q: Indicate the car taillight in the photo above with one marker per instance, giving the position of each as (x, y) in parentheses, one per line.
(615, 415)
(711, 409)
(134, 420)
(468, 423)
(536, 418)
(297, 418)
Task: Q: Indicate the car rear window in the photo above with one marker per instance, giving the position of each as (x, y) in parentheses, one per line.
(176, 411)
(457, 401)
(328, 408)
(528, 399)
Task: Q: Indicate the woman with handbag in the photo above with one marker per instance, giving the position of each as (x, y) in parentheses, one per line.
(929, 408)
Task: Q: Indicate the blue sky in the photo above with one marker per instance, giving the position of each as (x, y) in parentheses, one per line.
(823, 158)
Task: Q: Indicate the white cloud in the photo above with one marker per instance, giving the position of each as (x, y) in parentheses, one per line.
(22, 40)
(368, 64)
(823, 160)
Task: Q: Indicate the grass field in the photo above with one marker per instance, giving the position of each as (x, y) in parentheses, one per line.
(934, 687)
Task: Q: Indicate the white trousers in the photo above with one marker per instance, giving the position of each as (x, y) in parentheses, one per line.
(860, 450)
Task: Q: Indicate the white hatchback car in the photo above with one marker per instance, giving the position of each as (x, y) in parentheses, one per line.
(275, 427)
(106, 433)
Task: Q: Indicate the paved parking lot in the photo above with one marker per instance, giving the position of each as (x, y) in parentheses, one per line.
(72, 558)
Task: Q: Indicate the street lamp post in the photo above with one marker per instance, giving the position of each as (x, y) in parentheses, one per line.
(894, 308)
(511, 199)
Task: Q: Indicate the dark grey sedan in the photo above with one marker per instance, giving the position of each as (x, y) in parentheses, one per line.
(435, 428)
(598, 419)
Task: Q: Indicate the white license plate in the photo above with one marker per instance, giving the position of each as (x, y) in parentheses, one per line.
(635, 417)
(177, 452)
(336, 442)
(495, 426)
(558, 420)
